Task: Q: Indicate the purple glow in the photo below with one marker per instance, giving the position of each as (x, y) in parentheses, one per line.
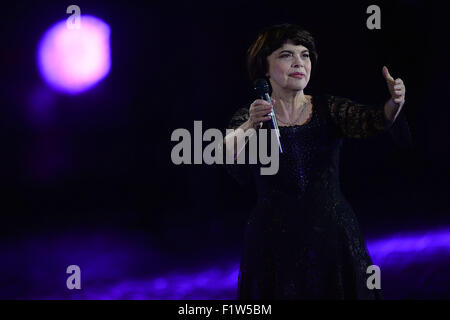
(74, 60)
(212, 283)
(121, 265)
(404, 248)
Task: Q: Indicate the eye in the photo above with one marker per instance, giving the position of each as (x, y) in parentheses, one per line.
(284, 55)
(306, 55)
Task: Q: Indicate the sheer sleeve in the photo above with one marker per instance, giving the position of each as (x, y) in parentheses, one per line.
(239, 117)
(240, 172)
(354, 120)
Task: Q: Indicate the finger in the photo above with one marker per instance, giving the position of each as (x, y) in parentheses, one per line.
(261, 114)
(262, 108)
(261, 102)
(398, 81)
(386, 74)
(399, 86)
(263, 119)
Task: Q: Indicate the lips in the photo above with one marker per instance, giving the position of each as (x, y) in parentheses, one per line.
(297, 75)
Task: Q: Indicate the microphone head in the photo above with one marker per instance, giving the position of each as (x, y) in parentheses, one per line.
(261, 86)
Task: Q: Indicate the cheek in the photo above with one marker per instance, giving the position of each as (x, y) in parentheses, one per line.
(283, 70)
(277, 72)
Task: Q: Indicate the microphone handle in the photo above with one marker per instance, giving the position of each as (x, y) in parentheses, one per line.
(274, 121)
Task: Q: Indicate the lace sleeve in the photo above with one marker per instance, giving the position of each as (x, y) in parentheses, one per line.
(240, 172)
(355, 120)
(239, 117)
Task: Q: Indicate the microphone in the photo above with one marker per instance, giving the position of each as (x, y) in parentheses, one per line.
(262, 89)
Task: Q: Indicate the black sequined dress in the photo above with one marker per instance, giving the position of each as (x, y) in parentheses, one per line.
(302, 239)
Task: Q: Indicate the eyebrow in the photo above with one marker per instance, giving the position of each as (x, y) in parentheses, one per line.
(290, 51)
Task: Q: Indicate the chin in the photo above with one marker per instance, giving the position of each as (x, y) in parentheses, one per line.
(298, 87)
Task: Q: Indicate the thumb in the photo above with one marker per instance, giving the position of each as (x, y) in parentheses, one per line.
(386, 74)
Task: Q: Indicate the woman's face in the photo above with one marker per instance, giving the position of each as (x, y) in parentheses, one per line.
(289, 67)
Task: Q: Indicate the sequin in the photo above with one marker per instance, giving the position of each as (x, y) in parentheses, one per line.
(302, 240)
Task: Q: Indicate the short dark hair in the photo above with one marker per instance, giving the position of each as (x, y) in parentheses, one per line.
(273, 38)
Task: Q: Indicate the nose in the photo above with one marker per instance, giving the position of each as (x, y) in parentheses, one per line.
(298, 62)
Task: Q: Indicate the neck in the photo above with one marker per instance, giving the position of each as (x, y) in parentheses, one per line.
(289, 102)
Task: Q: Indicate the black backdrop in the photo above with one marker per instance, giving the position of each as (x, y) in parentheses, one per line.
(102, 158)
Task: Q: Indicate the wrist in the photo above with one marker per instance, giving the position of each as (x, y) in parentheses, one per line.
(393, 104)
(248, 125)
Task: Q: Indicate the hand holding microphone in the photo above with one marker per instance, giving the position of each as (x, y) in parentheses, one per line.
(262, 89)
(259, 112)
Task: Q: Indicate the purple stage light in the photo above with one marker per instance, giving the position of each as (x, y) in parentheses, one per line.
(74, 60)
(404, 248)
(123, 266)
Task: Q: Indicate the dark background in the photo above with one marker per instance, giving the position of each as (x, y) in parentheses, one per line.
(101, 159)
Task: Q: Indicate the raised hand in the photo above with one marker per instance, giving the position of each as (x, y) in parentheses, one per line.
(396, 87)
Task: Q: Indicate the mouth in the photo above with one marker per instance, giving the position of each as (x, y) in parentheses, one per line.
(297, 75)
